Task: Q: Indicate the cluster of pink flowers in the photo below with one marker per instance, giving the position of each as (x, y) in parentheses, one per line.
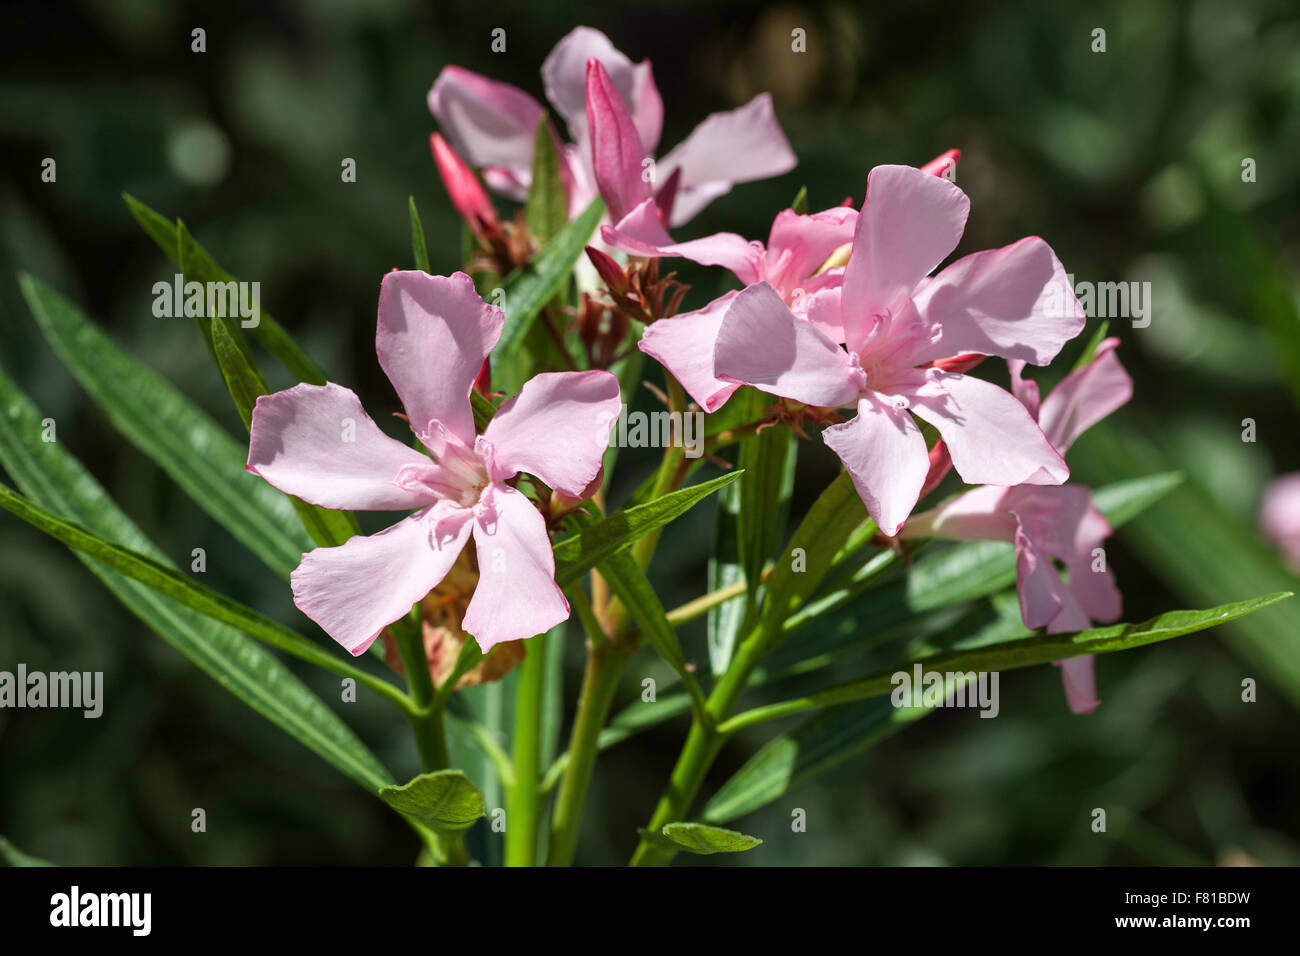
(840, 315)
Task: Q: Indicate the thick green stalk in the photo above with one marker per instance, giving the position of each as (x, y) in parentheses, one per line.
(605, 664)
(524, 797)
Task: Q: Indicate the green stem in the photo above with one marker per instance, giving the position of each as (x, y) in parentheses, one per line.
(702, 746)
(447, 849)
(524, 797)
(605, 664)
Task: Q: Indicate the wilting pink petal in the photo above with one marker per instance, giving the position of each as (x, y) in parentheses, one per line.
(564, 77)
(357, 589)
(1085, 397)
(884, 453)
(761, 343)
(516, 597)
(909, 223)
(617, 154)
(1078, 675)
(990, 435)
(738, 146)
(1015, 302)
(556, 428)
(434, 333)
(467, 196)
(1279, 517)
(317, 442)
(684, 345)
(640, 233)
(488, 123)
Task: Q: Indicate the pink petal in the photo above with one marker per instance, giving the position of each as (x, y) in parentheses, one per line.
(356, 590)
(1025, 390)
(1085, 397)
(738, 146)
(1040, 589)
(434, 333)
(1078, 675)
(616, 151)
(884, 453)
(640, 233)
(317, 442)
(909, 223)
(684, 345)
(1279, 516)
(799, 245)
(488, 123)
(564, 77)
(556, 428)
(990, 435)
(977, 515)
(761, 343)
(516, 597)
(1015, 302)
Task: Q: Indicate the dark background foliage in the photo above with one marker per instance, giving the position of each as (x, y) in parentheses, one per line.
(1128, 162)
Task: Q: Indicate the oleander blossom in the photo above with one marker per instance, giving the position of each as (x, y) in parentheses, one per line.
(1050, 524)
(493, 126)
(886, 343)
(799, 259)
(317, 442)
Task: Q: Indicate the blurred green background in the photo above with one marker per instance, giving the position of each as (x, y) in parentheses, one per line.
(1128, 162)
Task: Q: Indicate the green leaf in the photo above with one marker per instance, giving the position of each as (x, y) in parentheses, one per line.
(445, 801)
(814, 747)
(629, 584)
(750, 524)
(989, 651)
(166, 581)
(1090, 350)
(852, 722)
(188, 445)
(243, 381)
(419, 251)
(701, 839)
(55, 480)
(547, 207)
(576, 555)
(201, 267)
(529, 288)
(10, 855)
(800, 204)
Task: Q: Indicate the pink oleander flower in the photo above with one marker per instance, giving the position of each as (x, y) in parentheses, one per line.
(1279, 517)
(317, 442)
(873, 344)
(492, 125)
(794, 263)
(1050, 523)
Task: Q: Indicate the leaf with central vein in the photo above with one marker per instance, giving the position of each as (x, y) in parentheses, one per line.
(179, 436)
(701, 839)
(444, 801)
(203, 268)
(843, 730)
(529, 288)
(54, 479)
(576, 555)
(163, 579)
